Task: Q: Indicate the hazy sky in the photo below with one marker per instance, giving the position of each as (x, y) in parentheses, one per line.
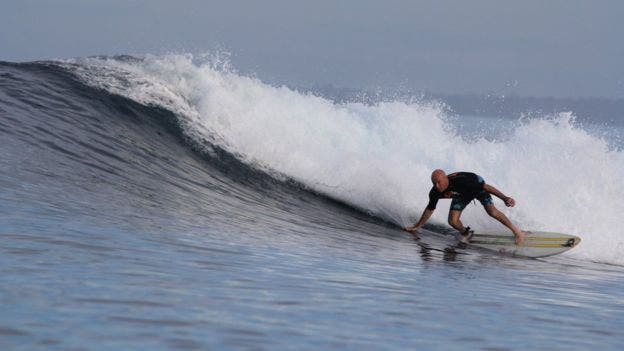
(539, 48)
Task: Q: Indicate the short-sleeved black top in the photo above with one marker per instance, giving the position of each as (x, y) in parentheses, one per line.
(463, 185)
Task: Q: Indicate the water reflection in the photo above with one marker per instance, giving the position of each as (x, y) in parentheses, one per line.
(431, 251)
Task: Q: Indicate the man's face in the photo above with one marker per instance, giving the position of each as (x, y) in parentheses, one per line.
(440, 183)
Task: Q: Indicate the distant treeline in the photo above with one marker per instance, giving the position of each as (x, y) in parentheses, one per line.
(509, 106)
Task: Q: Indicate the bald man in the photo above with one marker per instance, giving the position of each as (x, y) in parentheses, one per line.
(463, 187)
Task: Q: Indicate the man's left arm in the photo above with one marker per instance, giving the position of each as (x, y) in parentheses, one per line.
(509, 202)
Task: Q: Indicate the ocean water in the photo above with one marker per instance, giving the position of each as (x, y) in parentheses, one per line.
(168, 202)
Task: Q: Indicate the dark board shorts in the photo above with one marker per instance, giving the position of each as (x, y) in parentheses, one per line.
(459, 203)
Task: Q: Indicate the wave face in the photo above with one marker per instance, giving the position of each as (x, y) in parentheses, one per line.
(374, 157)
(378, 157)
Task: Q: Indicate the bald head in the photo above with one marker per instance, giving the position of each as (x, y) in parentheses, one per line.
(439, 179)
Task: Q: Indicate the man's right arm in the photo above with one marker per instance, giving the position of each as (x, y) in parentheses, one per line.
(423, 219)
(434, 196)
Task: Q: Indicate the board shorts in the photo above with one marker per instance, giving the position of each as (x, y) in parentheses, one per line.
(459, 203)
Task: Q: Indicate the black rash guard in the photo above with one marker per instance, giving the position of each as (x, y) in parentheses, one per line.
(463, 185)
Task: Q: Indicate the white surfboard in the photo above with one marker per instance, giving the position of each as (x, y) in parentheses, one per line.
(536, 243)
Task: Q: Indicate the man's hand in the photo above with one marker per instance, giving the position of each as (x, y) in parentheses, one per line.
(412, 229)
(510, 202)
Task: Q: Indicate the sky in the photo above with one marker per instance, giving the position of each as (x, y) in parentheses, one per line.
(528, 48)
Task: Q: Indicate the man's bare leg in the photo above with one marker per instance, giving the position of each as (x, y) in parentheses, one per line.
(499, 216)
(455, 222)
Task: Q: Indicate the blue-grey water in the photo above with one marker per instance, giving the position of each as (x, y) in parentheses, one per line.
(120, 232)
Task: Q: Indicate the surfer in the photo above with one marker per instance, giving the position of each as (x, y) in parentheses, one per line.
(463, 187)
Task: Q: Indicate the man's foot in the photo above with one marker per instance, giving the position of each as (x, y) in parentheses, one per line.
(466, 235)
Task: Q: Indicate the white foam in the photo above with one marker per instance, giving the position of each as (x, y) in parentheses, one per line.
(379, 157)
